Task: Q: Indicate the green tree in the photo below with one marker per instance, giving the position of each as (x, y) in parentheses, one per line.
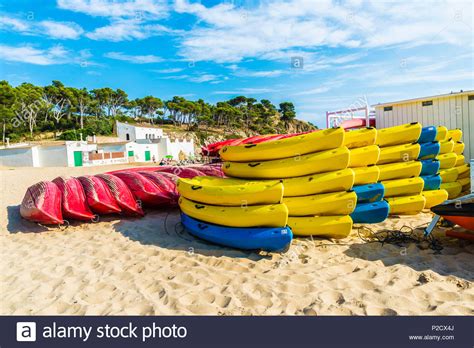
(7, 100)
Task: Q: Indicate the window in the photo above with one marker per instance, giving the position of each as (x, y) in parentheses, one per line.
(470, 97)
(427, 103)
(127, 136)
(387, 108)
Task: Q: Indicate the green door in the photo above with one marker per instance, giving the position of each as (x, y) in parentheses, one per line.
(147, 156)
(130, 154)
(78, 158)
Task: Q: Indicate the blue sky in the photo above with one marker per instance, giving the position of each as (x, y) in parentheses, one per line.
(351, 50)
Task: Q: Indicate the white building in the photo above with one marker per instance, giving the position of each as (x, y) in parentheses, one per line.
(454, 110)
(129, 132)
(158, 143)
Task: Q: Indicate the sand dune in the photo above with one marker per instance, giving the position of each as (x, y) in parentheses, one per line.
(151, 266)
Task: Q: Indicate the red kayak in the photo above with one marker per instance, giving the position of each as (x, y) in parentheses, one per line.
(98, 195)
(144, 189)
(42, 204)
(122, 194)
(73, 199)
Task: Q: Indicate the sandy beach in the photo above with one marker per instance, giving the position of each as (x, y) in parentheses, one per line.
(150, 266)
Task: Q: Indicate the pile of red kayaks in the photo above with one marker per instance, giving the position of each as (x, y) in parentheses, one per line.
(125, 192)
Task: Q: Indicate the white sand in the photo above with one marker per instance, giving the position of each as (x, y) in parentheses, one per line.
(137, 266)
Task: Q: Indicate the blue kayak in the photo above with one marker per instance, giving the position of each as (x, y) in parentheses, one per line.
(369, 193)
(428, 134)
(432, 182)
(429, 150)
(370, 213)
(252, 238)
(429, 167)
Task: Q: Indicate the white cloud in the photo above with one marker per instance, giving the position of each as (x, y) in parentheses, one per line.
(227, 33)
(246, 91)
(126, 30)
(31, 55)
(168, 71)
(109, 8)
(317, 90)
(49, 28)
(137, 59)
(61, 30)
(54, 55)
(205, 78)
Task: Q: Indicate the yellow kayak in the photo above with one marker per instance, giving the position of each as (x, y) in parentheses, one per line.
(441, 134)
(398, 135)
(434, 197)
(321, 226)
(465, 184)
(460, 160)
(446, 146)
(448, 175)
(463, 171)
(289, 147)
(403, 187)
(340, 180)
(360, 137)
(399, 153)
(334, 203)
(458, 148)
(402, 170)
(447, 160)
(317, 162)
(230, 192)
(366, 175)
(364, 156)
(453, 188)
(455, 134)
(272, 215)
(407, 205)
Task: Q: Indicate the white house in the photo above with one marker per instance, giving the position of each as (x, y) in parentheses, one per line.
(158, 143)
(129, 132)
(453, 110)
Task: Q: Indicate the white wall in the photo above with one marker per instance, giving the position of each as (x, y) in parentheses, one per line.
(139, 151)
(455, 111)
(175, 147)
(52, 156)
(72, 146)
(17, 157)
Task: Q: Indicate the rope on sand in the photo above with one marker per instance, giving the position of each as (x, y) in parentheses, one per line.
(405, 235)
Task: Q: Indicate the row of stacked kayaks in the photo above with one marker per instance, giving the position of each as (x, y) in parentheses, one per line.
(124, 192)
(319, 183)
(312, 184)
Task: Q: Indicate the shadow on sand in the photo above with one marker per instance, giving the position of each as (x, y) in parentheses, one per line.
(16, 225)
(446, 263)
(164, 229)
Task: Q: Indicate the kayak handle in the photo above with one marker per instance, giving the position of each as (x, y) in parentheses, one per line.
(202, 227)
(248, 146)
(254, 164)
(199, 206)
(196, 187)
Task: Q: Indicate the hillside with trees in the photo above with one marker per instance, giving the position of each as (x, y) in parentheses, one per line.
(30, 112)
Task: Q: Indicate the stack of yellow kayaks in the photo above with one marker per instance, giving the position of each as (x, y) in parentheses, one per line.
(458, 180)
(399, 167)
(236, 213)
(320, 183)
(312, 169)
